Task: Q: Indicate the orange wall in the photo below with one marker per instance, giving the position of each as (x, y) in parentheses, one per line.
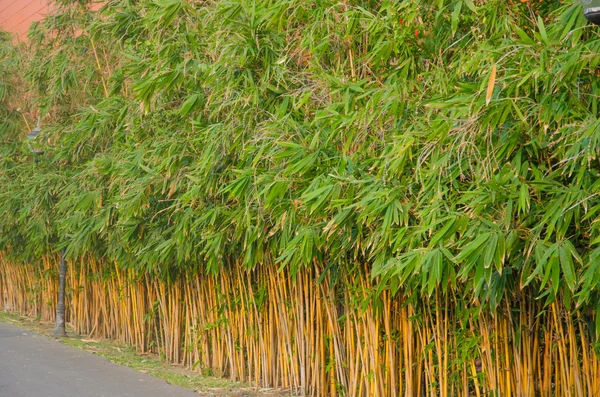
(17, 15)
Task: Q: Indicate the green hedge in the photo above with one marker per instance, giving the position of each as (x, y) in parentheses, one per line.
(441, 144)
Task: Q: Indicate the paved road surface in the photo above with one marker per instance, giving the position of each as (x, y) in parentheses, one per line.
(32, 365)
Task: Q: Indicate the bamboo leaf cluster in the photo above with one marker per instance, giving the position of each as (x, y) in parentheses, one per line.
(445, 144)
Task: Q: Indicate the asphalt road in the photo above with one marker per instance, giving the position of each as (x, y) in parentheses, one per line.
(32, 365)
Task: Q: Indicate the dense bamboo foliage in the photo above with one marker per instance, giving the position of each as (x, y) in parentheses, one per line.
(342, 197)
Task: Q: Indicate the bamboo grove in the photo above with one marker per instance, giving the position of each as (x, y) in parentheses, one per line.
(343, 198)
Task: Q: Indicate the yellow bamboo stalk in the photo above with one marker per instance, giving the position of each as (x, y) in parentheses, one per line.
(296, 339)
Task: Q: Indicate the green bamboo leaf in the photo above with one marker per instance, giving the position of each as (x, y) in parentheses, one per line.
(435, 270)
(555, 272)
(455, 16)
(551, 268)
(471, 5)
(566, 263)
(524, 37)
(500, 254)
(472, 247)
(524, 199)
(189, 104)
(540, 259)
(542, 30)
(443, 232)
(490, 250)
(591, 277)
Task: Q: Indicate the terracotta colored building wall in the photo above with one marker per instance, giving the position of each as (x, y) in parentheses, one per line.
(17, 15)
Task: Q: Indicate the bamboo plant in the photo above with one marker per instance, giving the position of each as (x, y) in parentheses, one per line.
(361, 198)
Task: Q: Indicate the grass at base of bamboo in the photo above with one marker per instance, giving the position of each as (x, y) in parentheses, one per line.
(146, 363)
